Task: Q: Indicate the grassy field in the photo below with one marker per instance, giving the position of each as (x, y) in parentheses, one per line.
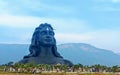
(58, 74)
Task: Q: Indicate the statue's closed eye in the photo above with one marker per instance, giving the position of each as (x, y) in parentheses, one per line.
(47, 32)
(43, 33)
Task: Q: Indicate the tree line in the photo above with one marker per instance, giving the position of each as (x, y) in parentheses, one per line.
(40, 68)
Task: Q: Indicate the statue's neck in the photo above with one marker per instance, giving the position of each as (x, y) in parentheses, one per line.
(46, 51)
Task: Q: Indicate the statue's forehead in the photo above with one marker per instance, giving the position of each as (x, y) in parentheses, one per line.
(47, 29)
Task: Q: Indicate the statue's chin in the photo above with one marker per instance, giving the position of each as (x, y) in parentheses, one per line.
(47, 44)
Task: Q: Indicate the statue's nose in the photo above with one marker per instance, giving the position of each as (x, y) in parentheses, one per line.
(48, 33)
(48, 36)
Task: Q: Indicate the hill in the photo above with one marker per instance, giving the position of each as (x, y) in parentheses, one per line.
(12, 52)
(76, 52)
(88, 55)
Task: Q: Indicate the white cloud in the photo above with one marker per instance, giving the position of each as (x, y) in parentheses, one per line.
(116, 1)
(71, 38)
(25, 7)
(111, 9)
(108, 39)
(29, 21)
(106, 5)
(69, 28)
(105, 39)
(2, 3)
(18, 21)
(106, 8)
(60, 25)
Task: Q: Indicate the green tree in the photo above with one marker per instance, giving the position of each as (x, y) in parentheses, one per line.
(115, 68)
(76, 67)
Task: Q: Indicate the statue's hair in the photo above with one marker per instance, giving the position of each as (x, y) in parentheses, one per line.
(35, 40)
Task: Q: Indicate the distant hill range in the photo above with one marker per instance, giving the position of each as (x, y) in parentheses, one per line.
(75, 52)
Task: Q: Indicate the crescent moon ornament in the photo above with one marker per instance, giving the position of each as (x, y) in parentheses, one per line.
(47, 29)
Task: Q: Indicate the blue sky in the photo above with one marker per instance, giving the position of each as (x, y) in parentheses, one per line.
(95, 22)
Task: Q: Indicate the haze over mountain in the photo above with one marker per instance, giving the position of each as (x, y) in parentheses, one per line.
(76, 52)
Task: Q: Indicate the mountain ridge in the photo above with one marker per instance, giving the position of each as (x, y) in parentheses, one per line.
(90, 56)
(76, 52)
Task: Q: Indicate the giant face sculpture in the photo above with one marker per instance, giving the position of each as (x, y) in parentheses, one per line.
(46, 36)
(43, 49)
(43, 36)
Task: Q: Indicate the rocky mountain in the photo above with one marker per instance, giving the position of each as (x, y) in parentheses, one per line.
(76, 52)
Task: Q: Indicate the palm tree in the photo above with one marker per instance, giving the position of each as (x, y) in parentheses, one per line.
(3, 68)
(81, 67)
(86, 68)
(97, 67)
(29, 66)
(64, 68)
(16, 66)
(103, 68)
(76, 67)
(115, 68)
